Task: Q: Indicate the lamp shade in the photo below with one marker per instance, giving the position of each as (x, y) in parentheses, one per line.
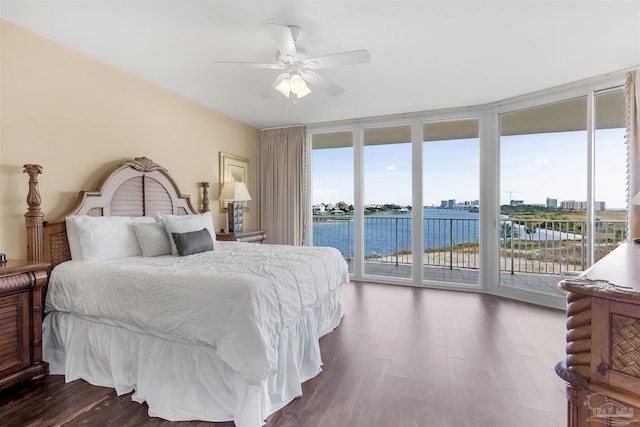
(235, 191)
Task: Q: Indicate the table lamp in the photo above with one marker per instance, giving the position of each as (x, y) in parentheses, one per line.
(235, 193)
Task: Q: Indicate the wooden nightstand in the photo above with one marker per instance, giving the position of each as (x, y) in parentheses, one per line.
(257, 236)
(21, 285)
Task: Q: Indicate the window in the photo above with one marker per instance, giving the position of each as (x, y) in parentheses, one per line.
(332, 198)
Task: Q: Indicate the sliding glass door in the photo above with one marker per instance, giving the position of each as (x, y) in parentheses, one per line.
(332, 192)
(451, 212)
(562, 190)
(388, 206)
(610, 173)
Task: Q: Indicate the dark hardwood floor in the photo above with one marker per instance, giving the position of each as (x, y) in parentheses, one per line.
(401, 357)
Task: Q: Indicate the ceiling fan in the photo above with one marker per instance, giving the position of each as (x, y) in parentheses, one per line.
(298, 69)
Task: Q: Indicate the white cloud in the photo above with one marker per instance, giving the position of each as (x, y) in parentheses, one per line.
(391, 168)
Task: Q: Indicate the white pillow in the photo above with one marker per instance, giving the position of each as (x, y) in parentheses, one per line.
(152, 238)
(73, 238)
(108, 237)
(184, 224)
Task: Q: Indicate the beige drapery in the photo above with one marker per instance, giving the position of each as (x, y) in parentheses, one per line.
(282, 177)
(632, 95)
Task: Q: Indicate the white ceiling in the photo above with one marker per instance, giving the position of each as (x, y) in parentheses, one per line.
(425, 55)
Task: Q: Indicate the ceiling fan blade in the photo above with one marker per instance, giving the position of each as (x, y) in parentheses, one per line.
(317, 80)
(251, 64)
(271, 92)
(284, 39)
(344, 58)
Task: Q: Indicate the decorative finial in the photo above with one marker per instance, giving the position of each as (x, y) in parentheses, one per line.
(205, 197)
(144, 164)
(33, 197)
(34, 216)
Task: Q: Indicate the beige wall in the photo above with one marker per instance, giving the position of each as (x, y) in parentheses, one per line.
(78, 118)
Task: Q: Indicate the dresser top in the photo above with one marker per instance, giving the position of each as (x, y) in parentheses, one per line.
(616, 276)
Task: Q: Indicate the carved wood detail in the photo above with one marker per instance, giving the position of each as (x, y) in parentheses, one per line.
(34, 216)
(144, 164)
(579, 334)
(205, 197)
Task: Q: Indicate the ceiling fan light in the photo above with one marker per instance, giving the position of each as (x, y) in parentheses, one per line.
(303, 92)
(299, 86)
(284, 87)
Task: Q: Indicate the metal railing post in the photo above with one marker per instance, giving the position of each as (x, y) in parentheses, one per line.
(450, 243)
(349, 240)
(512, 253)
(396, 241)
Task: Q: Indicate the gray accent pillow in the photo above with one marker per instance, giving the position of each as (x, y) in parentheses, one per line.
(193, 242)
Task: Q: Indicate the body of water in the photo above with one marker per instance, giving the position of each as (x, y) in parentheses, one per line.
(386, 233)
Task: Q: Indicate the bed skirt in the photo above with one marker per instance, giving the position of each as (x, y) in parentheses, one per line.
(181, 381)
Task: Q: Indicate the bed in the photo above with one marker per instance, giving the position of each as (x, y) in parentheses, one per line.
(201, 330)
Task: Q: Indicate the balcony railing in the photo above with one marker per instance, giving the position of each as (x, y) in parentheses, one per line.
(526, 245)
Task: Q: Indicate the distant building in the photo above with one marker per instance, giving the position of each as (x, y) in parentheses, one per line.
(517, 202)
(452, 204)
(448, 204)
(552, 203)
(572, 205)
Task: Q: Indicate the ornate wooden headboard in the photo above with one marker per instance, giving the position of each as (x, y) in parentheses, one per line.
(137, 187)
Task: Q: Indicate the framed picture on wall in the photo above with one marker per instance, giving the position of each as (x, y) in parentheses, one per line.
(233, 168)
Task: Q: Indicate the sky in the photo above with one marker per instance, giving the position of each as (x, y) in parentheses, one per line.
(532, 168)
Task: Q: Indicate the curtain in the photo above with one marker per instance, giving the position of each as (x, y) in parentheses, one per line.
(632, 136)
(282, 177)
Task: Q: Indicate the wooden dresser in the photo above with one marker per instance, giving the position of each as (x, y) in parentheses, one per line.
(602, 368)
(21, 285)
(256, 236)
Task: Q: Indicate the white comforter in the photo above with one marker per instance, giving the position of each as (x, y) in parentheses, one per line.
(237, 299)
